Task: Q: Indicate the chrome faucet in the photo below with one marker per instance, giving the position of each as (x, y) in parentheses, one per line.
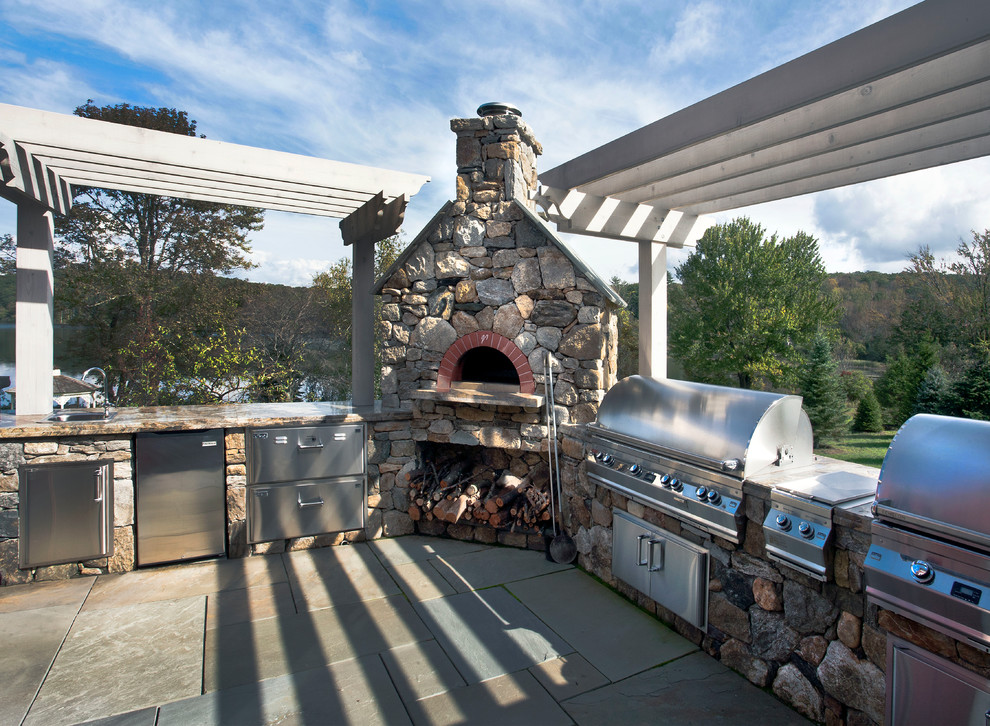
(106, 390)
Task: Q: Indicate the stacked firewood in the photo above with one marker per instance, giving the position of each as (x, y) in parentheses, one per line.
(473, 493)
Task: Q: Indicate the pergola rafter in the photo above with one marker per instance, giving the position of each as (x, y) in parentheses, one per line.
(907, 93)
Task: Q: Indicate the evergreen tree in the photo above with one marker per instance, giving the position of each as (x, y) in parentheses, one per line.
(869, 417)
(972, 392)
(824, 395)
(934, 393)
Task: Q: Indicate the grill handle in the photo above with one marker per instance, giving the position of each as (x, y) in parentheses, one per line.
(653, 565)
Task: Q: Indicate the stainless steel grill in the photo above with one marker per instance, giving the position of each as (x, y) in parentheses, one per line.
(929, 559)
(686, 448)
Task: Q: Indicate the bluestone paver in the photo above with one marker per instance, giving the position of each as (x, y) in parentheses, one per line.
(31, 639)
(420, 580)
(15, 598)
(515, 698)
(488, 633)
(122, 659)
(568, 676)
(694, 689)
(495, 566)
(614, 635)
(248, 604)
(420, 670)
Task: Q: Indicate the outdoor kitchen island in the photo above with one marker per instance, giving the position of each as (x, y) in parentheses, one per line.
(25, 441)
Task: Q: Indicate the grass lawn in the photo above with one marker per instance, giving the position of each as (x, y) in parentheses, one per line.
(868, 449)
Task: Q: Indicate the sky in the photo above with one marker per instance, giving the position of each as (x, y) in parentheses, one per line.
(376, 83)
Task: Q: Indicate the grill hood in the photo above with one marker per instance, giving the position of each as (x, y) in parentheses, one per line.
(735, 431)
(936, 478)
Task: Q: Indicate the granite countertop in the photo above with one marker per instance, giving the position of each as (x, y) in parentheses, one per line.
(190, 418)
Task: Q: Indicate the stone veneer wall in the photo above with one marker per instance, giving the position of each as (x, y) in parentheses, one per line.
(58, 450)
(818, 646)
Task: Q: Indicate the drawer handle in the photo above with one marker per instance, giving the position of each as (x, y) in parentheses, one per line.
(314, 503)
(655, 566)
(318, 445)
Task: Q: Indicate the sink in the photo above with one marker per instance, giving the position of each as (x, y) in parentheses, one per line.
(81, 416)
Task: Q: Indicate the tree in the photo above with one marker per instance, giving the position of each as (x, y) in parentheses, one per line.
(147, 273)
(959, 290)
(749, 305)
(972, 390)
(934, 393)
(869, 416)
(824, 396)
(897, 389)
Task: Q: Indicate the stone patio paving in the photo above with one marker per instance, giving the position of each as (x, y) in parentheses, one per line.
(413, 630)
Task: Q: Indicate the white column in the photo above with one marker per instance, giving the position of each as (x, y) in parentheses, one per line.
(35, 309)
(362, 325)
(652, 310)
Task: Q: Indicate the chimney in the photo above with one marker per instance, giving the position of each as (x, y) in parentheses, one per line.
(496, 158)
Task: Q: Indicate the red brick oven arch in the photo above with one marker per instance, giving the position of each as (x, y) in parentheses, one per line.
(451, 367)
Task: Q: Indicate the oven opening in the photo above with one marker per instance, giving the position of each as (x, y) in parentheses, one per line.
(486, 365)
(485, 361)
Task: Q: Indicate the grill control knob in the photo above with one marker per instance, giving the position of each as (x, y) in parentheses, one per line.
(597, 454)
(676, 485)
(806, 530)
(665, 481)
(713, 497)
(635, 469)
(607, 459)
(701, 493)
(783, 521)
(922, 571)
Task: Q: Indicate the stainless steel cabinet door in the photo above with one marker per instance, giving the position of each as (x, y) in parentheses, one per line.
(298, 509)
(630, 541)
(308, 452)
(679, 577)
(66, 512)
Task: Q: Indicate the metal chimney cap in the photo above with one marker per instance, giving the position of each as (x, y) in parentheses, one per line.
(498, 109)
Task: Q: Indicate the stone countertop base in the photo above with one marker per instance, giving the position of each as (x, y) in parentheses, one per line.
(189, 418)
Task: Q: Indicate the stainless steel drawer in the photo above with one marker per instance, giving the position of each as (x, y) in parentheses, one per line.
(301, 508)
(306, 452)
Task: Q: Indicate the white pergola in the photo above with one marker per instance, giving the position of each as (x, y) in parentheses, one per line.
(909, 92)
(45, 157)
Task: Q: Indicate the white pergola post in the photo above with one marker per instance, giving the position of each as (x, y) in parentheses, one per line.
(362, 325)
(652, 309)
(35, 309)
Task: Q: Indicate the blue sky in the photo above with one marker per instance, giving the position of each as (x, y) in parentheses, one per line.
(377, 82)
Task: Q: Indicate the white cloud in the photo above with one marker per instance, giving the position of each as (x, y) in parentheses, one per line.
(697, 35)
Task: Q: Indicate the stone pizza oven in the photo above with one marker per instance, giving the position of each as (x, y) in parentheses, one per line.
(482, 298)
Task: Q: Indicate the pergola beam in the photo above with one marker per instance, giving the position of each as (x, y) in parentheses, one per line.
(45, 158)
